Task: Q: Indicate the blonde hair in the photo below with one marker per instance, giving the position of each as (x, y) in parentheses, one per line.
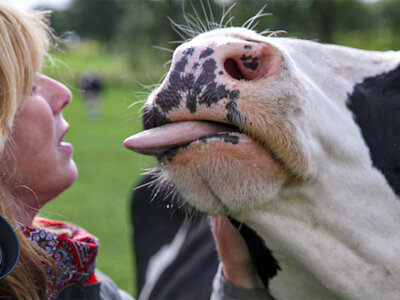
(24, 41)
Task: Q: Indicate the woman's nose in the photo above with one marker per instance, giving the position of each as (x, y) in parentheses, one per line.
(57, 94)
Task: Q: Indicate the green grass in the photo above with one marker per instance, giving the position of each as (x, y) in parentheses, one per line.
(99, 200)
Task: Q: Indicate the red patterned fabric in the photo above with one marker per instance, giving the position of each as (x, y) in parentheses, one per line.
(74, 251)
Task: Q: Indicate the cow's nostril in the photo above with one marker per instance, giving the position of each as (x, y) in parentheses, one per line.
(232, 68)
(245, 67)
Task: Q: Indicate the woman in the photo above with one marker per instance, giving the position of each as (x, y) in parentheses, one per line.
(57, 260)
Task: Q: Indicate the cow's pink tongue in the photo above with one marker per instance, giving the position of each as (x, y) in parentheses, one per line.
(160, 139)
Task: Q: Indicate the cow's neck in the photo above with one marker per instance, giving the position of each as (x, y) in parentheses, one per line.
(334, 237)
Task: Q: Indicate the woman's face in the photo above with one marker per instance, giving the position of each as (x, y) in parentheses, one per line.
(40, 162)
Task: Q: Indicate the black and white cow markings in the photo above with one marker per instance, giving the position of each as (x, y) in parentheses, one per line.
(375, 104)
(234, 116)
(266, 264)
(200, 90)
(170, 97)
(249, 61)
(153, 117)
(207, 52)
(225, 137)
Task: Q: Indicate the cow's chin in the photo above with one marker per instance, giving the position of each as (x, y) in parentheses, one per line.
(219, 176)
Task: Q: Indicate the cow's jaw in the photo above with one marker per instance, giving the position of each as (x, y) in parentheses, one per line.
(223, 79)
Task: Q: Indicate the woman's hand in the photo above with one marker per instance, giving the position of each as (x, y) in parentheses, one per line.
(238, 268)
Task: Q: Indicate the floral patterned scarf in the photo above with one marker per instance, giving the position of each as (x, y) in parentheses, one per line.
(74, 251)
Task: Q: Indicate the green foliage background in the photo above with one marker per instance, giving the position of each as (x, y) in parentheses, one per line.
(132, 28)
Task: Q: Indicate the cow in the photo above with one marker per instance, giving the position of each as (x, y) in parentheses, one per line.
(299, 141)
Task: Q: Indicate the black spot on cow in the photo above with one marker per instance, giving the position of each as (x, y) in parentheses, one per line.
(224, 137)
(375, 104)
(170, 98)
(234, 95)
(249, 62)
(197, 90)
(152, 117)
(247, 47)
(266, 265)
(188, 52)
(170, 154)
(233, 116)
(206, 53)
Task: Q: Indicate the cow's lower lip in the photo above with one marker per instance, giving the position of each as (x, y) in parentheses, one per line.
(232, 138)
(160, 152)
(148, 143)
(164, 139)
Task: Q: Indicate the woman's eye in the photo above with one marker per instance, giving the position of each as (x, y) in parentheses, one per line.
(34, 89)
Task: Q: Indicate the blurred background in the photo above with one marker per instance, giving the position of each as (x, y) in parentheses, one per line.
(111, 53)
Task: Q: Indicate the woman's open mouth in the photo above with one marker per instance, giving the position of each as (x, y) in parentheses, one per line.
(63, 145)
(159, 141)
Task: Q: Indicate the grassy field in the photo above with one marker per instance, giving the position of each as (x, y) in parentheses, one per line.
(99, 200)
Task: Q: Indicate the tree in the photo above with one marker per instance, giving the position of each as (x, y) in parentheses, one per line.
(95, 18)
(391, 11)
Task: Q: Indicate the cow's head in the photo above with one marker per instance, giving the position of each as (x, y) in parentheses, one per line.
(267, 130)
(249, 116)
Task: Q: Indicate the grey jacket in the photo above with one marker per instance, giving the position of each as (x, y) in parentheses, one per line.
(105, 289)
(223, 290)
